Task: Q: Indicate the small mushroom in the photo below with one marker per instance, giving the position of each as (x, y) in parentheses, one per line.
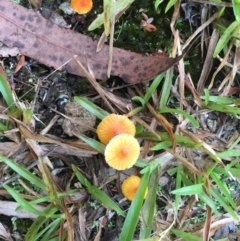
(81, 6)
(122, 152)
(130, 187)
(113, 125)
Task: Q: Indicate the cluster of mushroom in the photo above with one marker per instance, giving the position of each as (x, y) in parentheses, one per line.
(122, 150)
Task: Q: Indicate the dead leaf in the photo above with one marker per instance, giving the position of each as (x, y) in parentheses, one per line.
(9, 209)
(40, 138)
(53, 46)
(82, 223)
(6, 51)
(20, 64)
(5, 233)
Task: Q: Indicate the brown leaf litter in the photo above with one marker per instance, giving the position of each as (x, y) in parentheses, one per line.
(54, 46)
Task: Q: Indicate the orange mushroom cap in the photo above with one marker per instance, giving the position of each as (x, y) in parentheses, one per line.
(113, 125)
(130, 187)
(81, 6)
(122, 152)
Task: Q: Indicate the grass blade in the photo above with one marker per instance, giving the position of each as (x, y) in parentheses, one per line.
(181, 112)
(224, 189)
(23, 172)
(33, 230)
(99, 195)
(186, 236)
(93, 143)
(222, 202)
(94, 109)
(149, 206)
(6, 92)
(131, 220)
(23, 203)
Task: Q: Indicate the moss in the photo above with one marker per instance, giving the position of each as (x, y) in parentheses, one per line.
(128, 32)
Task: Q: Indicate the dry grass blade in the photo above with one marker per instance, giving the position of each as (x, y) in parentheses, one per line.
(186, 211)
(8, 148)
(181, 78)
(70, 226)
(94, 83)
(121, 103)
(4, 233)
(82, 223)
(223, 62)
(185, 162)
(207, 225)
(166, 125)
(40, 138)
(175, 16)
(110, 55)
(208, 61)
(205, 147)
(216, 225)
(199, 30)
(38, 151)
(233, 72)
(9, 209)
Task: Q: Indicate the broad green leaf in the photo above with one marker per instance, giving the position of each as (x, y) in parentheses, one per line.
(234, 171)
(219, 99)
(23, 203)
(223, 108)
(149, 206)
(47, 178)
(23, 172)
(93, 143)
(107, 16)
(222, 186)
(6, 92)
(236, 9)
(189, 190)
(99, 195)
(193, 121)
(38, 223)
(170, 4)
(222, 202)
(48, 231)
(179, 170)
(161, 145)
(131, 220)
(88, 105)
(232, 29)
(229, 153)
(153, 87)
(140, 99)
(165, 93)
(203, 196)
(186, 236)
(117, 7)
